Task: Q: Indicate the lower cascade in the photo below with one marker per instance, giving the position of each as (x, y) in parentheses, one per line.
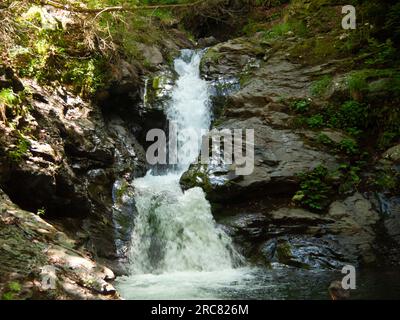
(176, 242)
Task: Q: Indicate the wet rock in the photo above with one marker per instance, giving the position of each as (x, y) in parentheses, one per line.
(297, 216)
(251, 224)
(245, 229)
(389, 206)
(299, 238)
(279, 156)
(303, 252)
(268, 249)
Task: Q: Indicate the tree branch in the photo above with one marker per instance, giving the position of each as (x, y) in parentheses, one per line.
(116, 8)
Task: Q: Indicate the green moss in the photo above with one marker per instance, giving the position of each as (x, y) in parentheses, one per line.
(284, 252)
(316, 121)
(8, 97)
(324, 139)
(387, 179)
(301, 105)
(122, 190)
(212, 56)
(20, 151)
(357, 82)
(197, 176)
(320, 86)
(13, 289)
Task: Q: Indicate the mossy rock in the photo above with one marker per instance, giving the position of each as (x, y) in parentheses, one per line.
(196, 176)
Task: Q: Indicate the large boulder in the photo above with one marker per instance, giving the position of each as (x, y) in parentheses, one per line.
(41, 262)
(68, 163)
(279, 157)
(300, 238)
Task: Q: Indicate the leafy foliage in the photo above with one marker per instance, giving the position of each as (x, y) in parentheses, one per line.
(318, 186)
(320, 87)
(301, 105)
(20, 150)
(13, 288)
(316, 121)
(314, 191)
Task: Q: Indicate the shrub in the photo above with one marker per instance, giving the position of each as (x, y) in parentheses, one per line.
(316, 121)
(314, 191)
(349, 146)
(352, 115)
(300, 105)
(382, 52)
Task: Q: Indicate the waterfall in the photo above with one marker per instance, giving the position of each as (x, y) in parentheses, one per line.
(175, 232)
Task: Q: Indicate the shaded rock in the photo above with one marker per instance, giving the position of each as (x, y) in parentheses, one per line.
(74, 155)
(44, 261)
(206, 42)
(393, 154)
(389, 206)
(152, 54)
(246, 229)
(354, 228)
(299, 238)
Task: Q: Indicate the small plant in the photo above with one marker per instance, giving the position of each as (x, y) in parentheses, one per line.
(349, 146)
(324, 139)
(13, 289)
(20, 150)
(8, 97)
(357, 83)
(387, 179)
(382, 52)
(353, 114)
(316, 121)
(321, 86)
(301, 105)
(314, 190)
(41, 212)
(349, 176)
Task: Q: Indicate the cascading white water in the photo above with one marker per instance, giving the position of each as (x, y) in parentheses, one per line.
(175, 234)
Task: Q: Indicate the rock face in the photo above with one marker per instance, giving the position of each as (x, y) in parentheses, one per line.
(40, 262)
(68, 162)
(280, 152)
(279, 156)
(299, 238)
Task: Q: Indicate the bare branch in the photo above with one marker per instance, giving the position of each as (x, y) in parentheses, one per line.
(116, 8)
